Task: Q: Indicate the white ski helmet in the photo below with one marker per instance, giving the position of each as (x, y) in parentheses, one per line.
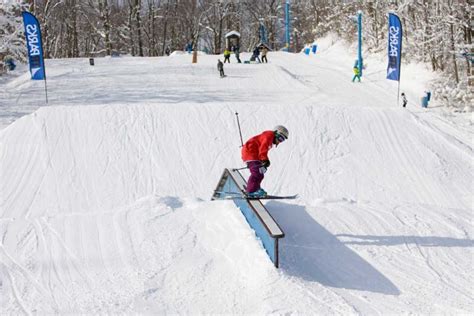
(281, 130)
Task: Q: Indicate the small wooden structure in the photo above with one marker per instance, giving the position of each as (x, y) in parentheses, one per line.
(232, 41)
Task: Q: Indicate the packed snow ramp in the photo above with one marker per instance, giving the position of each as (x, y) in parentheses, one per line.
(265, 227)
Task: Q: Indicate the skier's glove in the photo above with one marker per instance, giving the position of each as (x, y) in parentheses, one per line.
(266, 163)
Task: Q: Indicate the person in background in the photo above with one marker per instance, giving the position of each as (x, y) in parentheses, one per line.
(264, 54)
(227, 55)
(256, 53)
(428, 96)
(404, 100)
(189, 47)
(255, 155)
(425, 99)
(237, 54)
(9, 62)
(167, 50)
(220, 67)
(356, 74)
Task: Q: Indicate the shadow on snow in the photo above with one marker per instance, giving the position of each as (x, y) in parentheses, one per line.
(311, 252)
(423, 241)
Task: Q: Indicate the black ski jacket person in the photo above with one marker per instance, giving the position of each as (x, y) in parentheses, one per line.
(404, 100)
(256, 53)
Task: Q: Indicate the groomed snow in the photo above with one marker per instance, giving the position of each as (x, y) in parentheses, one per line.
(105, 194)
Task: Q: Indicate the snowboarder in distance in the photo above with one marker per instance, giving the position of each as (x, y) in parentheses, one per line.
(255, 155)
(264, 54)
(356, 74)
(167, 51)
(404, 100)
(227, 55)
(220, 67)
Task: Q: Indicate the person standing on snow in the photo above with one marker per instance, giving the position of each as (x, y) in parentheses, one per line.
(404, 100)
(237, 53)
(9, 63)
(220, 67)
(256, 53)
(227, 55)
(356, 73)
(264, 54)
(255, 155)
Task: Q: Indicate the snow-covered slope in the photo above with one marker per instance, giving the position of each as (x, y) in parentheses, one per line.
(105, 194)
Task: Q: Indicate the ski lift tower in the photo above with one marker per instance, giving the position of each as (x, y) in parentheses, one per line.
(359, 31)
(262, 32)
(287, 25)
(359, 62)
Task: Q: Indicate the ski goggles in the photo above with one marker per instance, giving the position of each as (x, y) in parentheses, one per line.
(280, 138)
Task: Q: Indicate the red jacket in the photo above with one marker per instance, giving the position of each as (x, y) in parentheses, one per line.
(257, 147)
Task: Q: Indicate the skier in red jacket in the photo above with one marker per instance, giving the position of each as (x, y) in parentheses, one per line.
(255, 155)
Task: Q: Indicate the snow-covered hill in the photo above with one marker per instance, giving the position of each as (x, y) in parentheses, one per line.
(105, 193)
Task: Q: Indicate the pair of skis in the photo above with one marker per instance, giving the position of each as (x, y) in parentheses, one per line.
(237, 195)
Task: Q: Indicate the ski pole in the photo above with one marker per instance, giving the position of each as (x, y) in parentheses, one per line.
(240, 132)
(235, 169)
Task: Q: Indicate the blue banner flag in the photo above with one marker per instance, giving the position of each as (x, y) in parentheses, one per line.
(34, 45)
(394, 47)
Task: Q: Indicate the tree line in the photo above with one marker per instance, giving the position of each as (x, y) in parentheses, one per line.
(437, 32)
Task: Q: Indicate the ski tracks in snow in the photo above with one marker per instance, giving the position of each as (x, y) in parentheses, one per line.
(74, 263)
(383, 223)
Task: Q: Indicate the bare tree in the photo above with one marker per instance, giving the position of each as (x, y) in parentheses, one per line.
(438, 32)
(104, 12)
(137, 12)
(215, 16)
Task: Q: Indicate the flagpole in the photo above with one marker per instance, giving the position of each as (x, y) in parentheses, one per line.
(44, 70)
(400, 62)
(45, 84)
(46, 88)
(398, 94)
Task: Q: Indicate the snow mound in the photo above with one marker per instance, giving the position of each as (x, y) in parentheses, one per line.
(104, 197)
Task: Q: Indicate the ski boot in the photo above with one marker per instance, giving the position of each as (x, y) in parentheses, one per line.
(257, 194)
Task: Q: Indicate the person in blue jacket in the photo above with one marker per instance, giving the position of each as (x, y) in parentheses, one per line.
(9, 63)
